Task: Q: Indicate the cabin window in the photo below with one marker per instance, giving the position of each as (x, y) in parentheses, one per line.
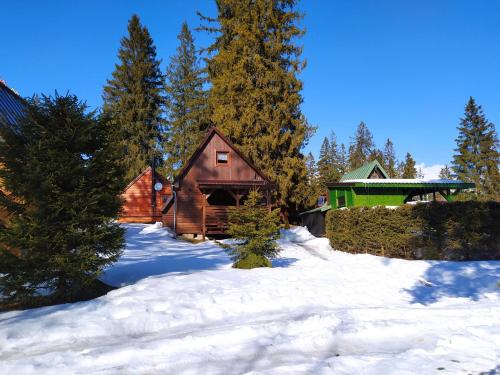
(222, 158)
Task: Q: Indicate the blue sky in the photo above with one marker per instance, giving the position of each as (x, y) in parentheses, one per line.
(406, 68)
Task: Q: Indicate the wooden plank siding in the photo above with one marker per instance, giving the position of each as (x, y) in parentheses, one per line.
(202, 171)
(137, 199)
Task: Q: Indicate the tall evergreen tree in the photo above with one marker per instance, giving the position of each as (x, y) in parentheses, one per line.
(408, 167)
(133, 100)
(186, 103)
(255, 96)
(343, 160)
(477, 154)
(314, 188)
(389, 159)
(361, 147)
(324, 162)
(62, 170)
(446, 173)
(329, 162)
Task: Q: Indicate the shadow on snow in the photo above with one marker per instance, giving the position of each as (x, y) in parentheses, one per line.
(456, 279)
(153, 254)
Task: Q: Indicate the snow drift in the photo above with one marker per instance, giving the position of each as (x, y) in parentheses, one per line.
(182, 309)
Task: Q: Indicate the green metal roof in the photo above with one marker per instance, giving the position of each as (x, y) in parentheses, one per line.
(411, 184)
(323, 208)
(364, 171)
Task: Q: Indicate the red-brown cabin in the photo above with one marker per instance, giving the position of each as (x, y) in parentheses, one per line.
(142, 202)
(217, 176)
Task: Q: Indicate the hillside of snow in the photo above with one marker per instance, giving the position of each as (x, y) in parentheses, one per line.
(182, 309)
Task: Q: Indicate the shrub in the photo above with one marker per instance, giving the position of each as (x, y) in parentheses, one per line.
(256, 231)
(62, 172)
(460, 230)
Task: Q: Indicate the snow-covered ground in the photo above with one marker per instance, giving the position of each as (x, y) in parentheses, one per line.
(183, 310)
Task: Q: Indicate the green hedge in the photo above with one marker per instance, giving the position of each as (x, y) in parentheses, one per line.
(459, 231)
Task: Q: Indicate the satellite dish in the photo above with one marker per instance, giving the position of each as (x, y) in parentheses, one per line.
(158, 186)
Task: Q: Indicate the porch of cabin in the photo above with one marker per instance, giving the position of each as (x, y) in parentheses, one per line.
(220, 196)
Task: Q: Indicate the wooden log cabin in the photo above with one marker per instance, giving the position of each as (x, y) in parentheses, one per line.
(142, 203)
(217, 176)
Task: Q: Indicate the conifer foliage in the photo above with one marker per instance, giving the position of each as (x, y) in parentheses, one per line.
(62, 170)
(330, 163)
(185, 104)
(477, 154)
(408, 168)
(256, 230)
(133, 100)
(445, 173)
(255, 96)
(362, 147)
(389, 159)
(314, 188)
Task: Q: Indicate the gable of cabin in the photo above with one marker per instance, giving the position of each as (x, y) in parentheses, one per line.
(211, 177)
(138, 199)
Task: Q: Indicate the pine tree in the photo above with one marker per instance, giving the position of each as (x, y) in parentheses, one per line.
(186, 103)
(477, 154)
(361, 147)
(330, 161)
(377, 155)
(389, 159)
(445, 173)
(324, 162)
(408, 167)
(256, 231)
(133, 100)
(62, 170)
(314, 189)
(343, 160)
(255, 96)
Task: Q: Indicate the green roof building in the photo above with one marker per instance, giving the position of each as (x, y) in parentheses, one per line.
(370, 186)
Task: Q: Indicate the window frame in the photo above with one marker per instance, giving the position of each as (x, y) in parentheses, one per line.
(228, 161)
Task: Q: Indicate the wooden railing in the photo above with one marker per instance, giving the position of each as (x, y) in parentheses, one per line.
(215, 219)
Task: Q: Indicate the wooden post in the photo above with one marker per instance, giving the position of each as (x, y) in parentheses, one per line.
(434, 196)
(204, 214)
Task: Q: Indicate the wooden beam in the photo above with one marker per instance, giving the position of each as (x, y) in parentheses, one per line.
(204, 216)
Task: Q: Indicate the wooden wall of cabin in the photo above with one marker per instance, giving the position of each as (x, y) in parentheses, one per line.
(137, 201)
(204, 167)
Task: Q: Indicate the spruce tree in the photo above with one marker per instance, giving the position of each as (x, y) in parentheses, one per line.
(186, 103)
(330, 161)
(133, 100)
(361, 147)
(314, 188)
(255, 97)
(61, 168)
(256, 231)
(324, 162)
(343, 160)
(445, 173)
(389, 159)
(477, 154)
(408, 167)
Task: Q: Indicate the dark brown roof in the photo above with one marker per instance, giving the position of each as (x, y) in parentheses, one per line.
(11, 106)
(202, 145)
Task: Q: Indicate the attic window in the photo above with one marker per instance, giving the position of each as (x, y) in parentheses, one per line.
(222, 157)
